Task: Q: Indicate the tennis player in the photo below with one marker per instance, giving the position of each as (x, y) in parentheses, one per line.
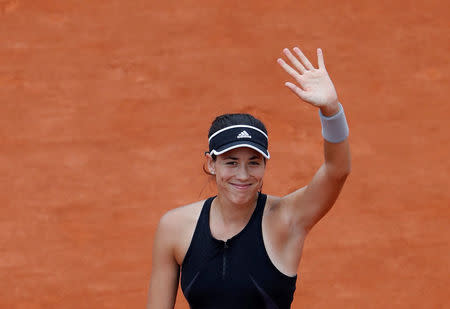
(242, 248)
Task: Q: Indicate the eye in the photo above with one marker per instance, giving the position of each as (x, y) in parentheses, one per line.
(232, 163)
(255, 163)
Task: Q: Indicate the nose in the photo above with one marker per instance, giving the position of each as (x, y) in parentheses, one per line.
(242, 172)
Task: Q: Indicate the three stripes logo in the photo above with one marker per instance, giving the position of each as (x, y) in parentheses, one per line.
(244, 134)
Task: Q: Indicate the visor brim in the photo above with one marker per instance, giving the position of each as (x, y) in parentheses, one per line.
(240, 144)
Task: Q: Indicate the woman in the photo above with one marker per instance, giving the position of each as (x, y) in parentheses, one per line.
(241, 249)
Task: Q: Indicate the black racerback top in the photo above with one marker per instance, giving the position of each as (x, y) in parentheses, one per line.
(236, 273)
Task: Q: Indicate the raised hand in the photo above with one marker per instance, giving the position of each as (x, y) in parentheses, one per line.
(314, 85)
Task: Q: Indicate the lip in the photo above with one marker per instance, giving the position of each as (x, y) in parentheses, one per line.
(241, 186)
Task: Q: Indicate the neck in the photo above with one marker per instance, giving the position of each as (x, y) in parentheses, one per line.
(234, 214)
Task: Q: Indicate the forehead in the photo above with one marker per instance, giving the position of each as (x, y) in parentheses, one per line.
(241, 153)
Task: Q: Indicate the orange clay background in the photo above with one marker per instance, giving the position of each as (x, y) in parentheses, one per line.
(104, 112)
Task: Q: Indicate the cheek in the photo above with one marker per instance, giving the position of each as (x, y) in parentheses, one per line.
(259, 172)
(223, 174)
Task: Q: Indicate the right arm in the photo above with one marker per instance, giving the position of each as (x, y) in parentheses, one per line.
(165, 269)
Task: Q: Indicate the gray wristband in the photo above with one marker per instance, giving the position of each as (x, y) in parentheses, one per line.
(334, 128)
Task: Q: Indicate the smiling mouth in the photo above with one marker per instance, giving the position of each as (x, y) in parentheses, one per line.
(240, 186)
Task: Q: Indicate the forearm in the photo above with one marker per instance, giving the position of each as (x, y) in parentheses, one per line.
(337, 154)
(337, 158)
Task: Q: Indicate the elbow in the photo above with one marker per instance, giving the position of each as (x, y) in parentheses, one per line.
(346, 168)
(340, 174)
(345, 172)
(338, 179)
(341, 177)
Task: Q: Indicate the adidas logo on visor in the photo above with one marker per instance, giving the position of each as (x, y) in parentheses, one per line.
(244, 134)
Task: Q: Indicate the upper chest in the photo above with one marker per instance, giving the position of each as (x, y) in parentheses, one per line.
(268, 231)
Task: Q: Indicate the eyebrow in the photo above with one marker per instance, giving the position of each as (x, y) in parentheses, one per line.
(230, 158)
(255, 157)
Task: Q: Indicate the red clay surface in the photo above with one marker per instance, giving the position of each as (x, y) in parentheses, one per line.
(104, 111)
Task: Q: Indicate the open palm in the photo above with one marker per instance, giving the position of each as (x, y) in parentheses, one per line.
(314, 85)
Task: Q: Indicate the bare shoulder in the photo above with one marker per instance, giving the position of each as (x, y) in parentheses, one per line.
(179, 225)
(176, 218)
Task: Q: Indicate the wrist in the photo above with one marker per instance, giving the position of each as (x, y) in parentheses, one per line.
(334, 127)
(330, 109)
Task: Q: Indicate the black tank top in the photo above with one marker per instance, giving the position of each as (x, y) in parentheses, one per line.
(234, 274)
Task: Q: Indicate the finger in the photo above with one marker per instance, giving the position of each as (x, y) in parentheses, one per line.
(294, 60)
(303, 58)
(296, 90)
(289, 70)
(320, 60)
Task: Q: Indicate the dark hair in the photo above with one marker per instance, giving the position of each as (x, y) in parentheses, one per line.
(227, 120)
